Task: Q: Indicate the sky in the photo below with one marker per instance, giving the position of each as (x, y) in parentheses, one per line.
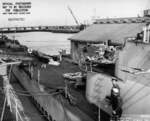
(55, 12)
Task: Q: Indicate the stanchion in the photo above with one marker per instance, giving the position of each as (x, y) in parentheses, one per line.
(3, 110)
(99, 113)
(38, 76)
(16, 111)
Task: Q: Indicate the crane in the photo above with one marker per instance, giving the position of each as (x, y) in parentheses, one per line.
(73, 16)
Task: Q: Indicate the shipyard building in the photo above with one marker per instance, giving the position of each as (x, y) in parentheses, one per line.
(114, 31)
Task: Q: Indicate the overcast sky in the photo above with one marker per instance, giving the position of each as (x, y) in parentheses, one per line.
(55, 12)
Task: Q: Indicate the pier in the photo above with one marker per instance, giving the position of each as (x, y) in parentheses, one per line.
(54, 29)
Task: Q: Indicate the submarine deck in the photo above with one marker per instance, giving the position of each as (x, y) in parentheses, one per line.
(52, 78)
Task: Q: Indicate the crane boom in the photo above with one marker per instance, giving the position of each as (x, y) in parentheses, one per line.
(73, 16)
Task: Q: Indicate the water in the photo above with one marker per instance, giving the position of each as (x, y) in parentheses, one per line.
(46, 42)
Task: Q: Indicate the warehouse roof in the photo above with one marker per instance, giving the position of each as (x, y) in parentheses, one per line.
(116, 32)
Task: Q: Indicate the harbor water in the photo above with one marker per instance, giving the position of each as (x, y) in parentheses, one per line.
(46, 42)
